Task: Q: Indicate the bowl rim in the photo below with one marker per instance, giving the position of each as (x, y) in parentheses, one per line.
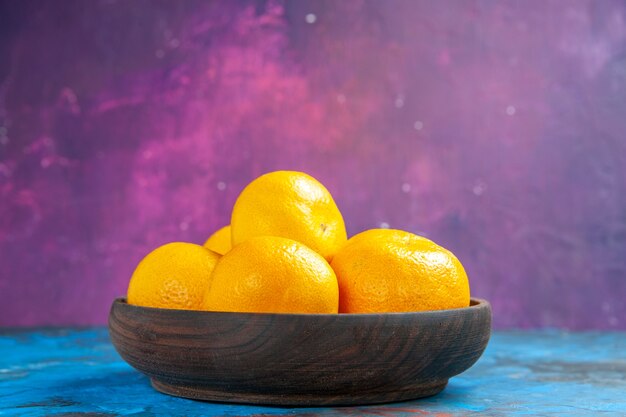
(475, 305)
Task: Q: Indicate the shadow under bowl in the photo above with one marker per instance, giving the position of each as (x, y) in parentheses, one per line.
(300, 359)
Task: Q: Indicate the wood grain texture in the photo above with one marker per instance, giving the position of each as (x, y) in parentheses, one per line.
(299, 359)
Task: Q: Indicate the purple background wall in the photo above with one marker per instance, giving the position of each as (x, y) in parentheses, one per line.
(495, 128)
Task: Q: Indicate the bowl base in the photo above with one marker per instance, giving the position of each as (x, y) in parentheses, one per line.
(296, 399)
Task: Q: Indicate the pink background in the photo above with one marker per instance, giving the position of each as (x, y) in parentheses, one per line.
(496, 128)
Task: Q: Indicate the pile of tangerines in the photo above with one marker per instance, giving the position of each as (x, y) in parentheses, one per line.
(286, 251)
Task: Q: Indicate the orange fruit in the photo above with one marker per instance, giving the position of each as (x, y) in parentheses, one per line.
(289, 204)
(270, 274)
(219, 242)
(384, 270)
(175, 275)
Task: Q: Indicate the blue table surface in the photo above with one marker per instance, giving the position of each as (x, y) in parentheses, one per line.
(65, 372)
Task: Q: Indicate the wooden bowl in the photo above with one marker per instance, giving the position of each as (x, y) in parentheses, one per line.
(300, 359)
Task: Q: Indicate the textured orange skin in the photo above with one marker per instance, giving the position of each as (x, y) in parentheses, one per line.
(273, 275)
(220, 241)
(383, 271)
(289, 204)
(176, 275)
